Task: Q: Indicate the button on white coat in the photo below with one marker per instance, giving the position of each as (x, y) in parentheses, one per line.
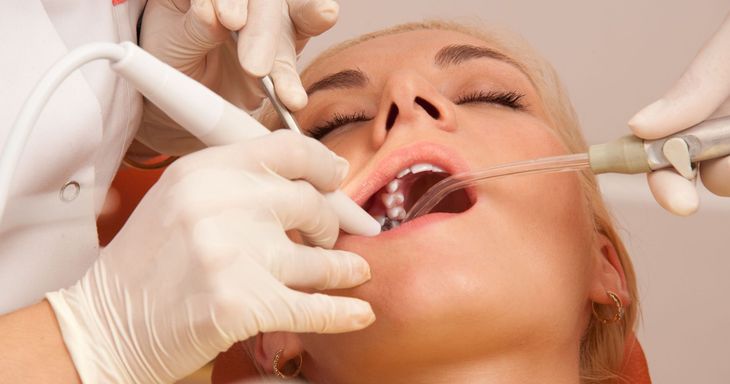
(70, 191)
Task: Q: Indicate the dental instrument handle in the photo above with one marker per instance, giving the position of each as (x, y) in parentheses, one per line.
(214, 120)
(707, 140)
(201, 111)
(349, 213)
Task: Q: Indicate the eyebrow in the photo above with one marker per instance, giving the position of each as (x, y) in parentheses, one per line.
(349, 78)
(446, 56)
(459, 53)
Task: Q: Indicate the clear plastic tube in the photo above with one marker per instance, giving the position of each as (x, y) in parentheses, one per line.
(453, 183)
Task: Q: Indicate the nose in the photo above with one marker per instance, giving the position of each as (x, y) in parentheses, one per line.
(411, 101)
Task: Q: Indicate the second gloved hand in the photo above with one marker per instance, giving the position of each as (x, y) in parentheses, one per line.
(204, 261)
(195, 37)
(701, 93)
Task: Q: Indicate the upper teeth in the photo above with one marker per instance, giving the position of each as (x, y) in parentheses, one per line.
(418, 168)
(393, 199)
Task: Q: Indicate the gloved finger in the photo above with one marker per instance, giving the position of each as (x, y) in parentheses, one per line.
(291, 156)
(715, 175)
(257, 42)
(673, 192)
(297, 205)
(201, 30)
(313, 17)
(288, 85)
(231, 13)
(699, 92)
(314, 267)
(320, 314)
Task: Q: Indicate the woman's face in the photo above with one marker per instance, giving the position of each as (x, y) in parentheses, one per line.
(510, 273)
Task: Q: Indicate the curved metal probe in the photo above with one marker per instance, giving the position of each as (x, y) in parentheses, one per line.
(281, 110)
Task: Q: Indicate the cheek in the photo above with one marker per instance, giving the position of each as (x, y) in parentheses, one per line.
(538, 226)
(355, 146)
(541, 223)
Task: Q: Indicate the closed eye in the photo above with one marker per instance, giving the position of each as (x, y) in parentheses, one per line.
(337, 120)
(508, 99)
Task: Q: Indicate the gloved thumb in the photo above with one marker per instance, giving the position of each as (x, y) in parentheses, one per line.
(673, 192)
(697, 94)
(313, 17)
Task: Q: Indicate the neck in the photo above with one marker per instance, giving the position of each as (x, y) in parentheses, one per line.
(546, 366)
(505, 369)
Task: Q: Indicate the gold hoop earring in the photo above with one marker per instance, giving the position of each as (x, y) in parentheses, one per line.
(617, 316)
(283, 375)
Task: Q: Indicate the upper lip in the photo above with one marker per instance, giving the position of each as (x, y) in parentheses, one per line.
(387, 168)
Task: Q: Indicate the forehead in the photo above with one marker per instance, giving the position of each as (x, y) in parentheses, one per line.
(390, 52)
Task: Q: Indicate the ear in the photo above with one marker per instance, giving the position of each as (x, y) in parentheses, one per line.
(268, 344)
(608, 273)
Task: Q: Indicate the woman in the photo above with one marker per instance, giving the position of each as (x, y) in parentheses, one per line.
(520, 280)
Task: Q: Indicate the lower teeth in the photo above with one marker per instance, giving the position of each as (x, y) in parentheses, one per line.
(386, 223)
(389, 224)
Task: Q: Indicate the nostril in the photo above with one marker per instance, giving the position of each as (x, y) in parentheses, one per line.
(392, 114)
(428, 107)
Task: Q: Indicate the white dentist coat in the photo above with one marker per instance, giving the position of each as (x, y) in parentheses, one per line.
(48, 236)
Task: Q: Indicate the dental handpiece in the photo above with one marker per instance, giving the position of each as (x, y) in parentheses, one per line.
(215, 121)
(629, 155)
(707, 140)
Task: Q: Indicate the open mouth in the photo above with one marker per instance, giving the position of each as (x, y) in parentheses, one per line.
(390, 203)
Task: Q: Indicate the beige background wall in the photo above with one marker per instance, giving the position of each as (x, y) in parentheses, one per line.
(614, 57)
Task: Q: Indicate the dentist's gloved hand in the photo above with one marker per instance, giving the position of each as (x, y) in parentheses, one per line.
(195, 37)
(204, 262)
(701, 93)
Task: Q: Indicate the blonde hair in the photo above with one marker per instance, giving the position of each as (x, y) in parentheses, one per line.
(602, 347)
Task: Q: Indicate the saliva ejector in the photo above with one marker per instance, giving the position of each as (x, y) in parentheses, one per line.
(629, 155)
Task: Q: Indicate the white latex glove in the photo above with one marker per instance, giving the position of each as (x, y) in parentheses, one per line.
(701, 93)
(195, 38)
(204, 262)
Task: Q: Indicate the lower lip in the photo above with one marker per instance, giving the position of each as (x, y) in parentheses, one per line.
(419, 223)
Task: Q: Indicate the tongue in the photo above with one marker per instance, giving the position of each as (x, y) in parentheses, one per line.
(454, 202)
(421, 183)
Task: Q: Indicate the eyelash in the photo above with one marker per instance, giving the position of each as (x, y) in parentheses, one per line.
(335, 122)
(508, 99)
